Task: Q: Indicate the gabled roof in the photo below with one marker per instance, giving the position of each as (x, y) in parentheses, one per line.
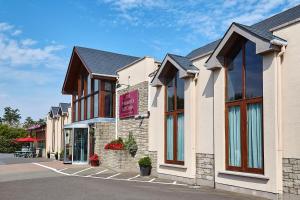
(262, 28)
(181, 63)
(54, 111)
(103, 62)
(64, 107)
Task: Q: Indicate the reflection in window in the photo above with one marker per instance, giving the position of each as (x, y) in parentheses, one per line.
(170, 92)
(82, 109)
(88, 111)
(96, 98)
(180, 92)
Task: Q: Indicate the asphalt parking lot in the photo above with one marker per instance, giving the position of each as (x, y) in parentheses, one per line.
(48, 180)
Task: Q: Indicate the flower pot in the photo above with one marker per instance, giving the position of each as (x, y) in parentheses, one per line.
(94, 163)
(145, 171)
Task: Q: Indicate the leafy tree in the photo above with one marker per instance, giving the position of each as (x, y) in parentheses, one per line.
(41, 121)
(28, 122)
(11, 116)
(7, 136)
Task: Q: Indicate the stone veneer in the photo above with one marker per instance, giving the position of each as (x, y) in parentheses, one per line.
(119, 160)
(205, 169)
(138, 127)
(104, 133)
(291, 176)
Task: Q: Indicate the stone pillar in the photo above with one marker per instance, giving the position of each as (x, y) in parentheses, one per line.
(205, 169)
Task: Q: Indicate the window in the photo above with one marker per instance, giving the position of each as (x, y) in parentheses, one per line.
(244, 109)
(174, 120)
(95, 98)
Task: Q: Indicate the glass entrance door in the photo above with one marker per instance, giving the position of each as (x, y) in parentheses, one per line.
(80, 151)
(68, 146)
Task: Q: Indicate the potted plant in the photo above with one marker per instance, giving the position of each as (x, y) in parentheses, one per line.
(115, 145)
(48, 154)
(56, 155)
(145, 166)
(130, 145)
(94, 160)
(61, 155)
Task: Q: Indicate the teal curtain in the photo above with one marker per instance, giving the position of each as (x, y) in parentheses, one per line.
(180, 137)
(234, 120)
(170, 137)
(254, 135)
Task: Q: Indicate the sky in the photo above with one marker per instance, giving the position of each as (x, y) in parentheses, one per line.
(37, 37)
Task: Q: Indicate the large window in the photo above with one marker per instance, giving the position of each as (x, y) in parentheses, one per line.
(244, 109)
(174, 120)
(95, 98)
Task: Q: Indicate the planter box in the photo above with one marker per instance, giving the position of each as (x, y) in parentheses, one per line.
(119, 160)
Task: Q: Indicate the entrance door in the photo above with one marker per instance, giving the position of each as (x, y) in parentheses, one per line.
(68, 146)
(80, 151)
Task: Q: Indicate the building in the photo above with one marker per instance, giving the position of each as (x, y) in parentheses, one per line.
(38, 131)
(56, 119)
(226, 115)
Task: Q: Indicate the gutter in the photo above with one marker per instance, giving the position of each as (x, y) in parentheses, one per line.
(105, 75)
(192, 71)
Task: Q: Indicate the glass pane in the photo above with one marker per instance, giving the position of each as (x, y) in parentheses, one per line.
(234, 77)
(68, 146)
(170, 95)
(108, 104)
(82, 109)
(80, 145)
(96, 103)
(88, 85)
(76, 111)
(254, 71)
(180, 92)
(170, 137)
(180, 137)
(96, 85)
(108, 86)
(234, 130)
(88, 112)
(82, 86)
(254, 135)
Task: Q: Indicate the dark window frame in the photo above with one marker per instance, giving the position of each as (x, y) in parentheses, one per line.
(175, 112)
(242, 103)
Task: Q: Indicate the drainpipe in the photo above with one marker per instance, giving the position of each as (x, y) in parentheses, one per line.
(116, 109)
(279, 58)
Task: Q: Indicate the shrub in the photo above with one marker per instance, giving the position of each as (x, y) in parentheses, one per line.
(7, 136)
(145, 162)
(115, 144)
(131, 145)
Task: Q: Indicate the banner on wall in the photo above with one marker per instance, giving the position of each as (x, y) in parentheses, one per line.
(128, 104)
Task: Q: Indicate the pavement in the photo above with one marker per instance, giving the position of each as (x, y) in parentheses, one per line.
(46, 179)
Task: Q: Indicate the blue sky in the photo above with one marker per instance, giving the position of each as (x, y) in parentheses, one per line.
(36, 37)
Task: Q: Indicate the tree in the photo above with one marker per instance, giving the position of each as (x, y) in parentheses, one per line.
(41, 121)
(28, 122)
(11, 116)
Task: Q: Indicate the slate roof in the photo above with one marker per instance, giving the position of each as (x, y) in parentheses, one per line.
(54, 110)
(103, 62)
(261, 29)
(184, 62)
(64, 107)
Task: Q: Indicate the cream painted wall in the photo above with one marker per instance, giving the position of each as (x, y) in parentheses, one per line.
(204, 108)
(272, 159)
(290, 71)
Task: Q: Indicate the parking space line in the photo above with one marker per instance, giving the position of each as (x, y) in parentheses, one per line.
(113, 176)
(82, 170)
(151, 180)
(62, 169)
(133, 177)
(97, 173)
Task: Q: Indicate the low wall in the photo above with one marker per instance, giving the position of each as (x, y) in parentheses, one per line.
(119, 160)
(291, 177)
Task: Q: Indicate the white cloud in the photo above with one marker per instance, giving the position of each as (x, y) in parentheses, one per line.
(28, 42)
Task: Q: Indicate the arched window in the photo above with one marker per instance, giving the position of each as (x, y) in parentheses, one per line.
(244, 109)
(174, 119)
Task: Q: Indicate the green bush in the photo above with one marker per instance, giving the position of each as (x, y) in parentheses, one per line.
(131, 145)
(7, 136)
(145, 162)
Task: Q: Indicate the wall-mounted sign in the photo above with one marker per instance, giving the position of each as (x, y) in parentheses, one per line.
(128, 104)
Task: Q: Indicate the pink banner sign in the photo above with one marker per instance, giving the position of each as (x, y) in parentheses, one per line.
(128, 104)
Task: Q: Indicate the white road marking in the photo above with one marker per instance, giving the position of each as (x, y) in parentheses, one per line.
(82, 170)
(133, 177)
(62, 169)
(97, 173)
(112, 176)
(174, 183)
(151, 180)
(51, 168)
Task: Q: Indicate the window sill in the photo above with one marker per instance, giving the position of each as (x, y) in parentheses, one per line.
(243, 174)
(172, 166)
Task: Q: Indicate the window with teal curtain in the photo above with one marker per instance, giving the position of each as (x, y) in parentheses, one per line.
(234, 120)
(254, 135)
(180, 137)
(170, 137)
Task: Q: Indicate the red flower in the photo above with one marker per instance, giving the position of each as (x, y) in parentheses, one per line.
(94, 157)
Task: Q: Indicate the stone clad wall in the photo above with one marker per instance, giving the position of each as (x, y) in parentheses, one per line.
(291, 176)
(119, 160)
(104, 133)
(138, 127)
(205, 169)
